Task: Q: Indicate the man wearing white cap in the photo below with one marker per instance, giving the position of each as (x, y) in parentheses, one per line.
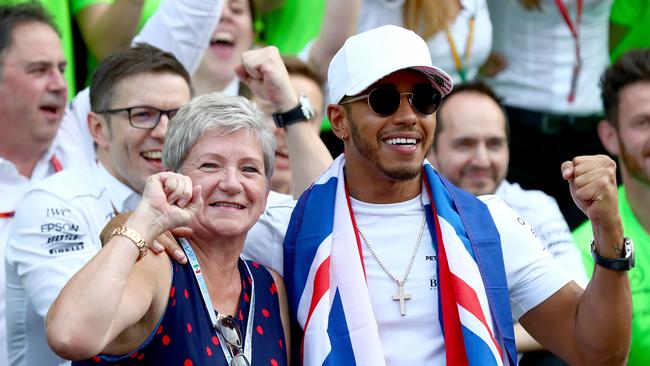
(386, 263)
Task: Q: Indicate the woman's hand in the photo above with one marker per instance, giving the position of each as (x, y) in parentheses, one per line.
(169, 200)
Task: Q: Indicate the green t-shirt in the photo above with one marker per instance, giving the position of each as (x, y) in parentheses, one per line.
(635, 15)
(293, 25)
(640, 348)
(60, 13)
(149, 7)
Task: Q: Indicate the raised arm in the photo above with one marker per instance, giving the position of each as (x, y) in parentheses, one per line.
(183, 27)
(590, 327)
(83, 321)
(340, 22)
(106, 27)
(264, 72)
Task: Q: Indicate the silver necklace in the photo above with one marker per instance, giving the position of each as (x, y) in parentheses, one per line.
(401, 296)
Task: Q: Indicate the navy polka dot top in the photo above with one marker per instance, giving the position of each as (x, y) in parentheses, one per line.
(185, 337)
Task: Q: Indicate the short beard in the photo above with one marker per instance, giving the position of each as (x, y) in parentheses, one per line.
(633, 167)
(400, 174)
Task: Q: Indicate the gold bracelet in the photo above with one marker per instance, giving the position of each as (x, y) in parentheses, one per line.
(133, 235)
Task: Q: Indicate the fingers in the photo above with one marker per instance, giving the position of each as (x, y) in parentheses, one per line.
(593, 183)
(196, 202)
(567, 170)
(166, 242)
(178, 188)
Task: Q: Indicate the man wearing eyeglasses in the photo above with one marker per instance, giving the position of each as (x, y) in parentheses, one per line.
(133, 95)
(386, 263)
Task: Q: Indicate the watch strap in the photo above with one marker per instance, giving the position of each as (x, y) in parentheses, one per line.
(302, 112)
(617, 264)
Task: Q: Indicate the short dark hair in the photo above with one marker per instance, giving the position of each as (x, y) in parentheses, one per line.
(13, 15)
(296, 66)
(478, 87)
(141, 58)
(633, 66)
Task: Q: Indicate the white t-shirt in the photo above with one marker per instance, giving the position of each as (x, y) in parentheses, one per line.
(532, 273)
(542, 213)
(375, 13)
(540, 55)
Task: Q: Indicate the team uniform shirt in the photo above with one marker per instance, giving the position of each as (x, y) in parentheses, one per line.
(532, 273)
(542, 213)
(639, 284)
(540, 55)
(56, 232)
(375, 13)
(13, 187)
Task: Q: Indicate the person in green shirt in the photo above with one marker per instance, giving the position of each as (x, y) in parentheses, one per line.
(625, 132)
(629, 27)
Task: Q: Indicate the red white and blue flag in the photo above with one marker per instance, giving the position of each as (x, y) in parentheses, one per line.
(328, 293)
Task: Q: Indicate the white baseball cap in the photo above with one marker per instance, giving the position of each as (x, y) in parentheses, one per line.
(369, 56)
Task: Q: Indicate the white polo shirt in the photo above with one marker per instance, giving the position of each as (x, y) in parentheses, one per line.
(13, 187)
(55, 232)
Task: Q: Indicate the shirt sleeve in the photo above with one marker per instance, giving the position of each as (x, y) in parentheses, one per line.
(49, 242)
(264, 240)
(555, 235)
(184, 28)
(533, 275)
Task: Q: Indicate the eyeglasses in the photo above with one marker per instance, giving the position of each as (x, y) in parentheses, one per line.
(385, 100)
(229, 330)
(144, 117)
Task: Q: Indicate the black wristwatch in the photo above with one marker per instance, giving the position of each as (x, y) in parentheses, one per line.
(302, 112)
(617, 264)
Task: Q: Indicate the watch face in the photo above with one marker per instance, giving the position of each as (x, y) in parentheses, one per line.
(629, 250)
(306, 107)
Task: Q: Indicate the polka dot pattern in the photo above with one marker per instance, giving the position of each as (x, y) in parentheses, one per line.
(185, 336)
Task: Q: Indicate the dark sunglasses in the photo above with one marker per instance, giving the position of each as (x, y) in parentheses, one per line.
(385, 100)
(229, 330)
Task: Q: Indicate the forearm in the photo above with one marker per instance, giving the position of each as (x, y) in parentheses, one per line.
(83, 320)
(108, 27)
(182, 27)
(339, 23)
(604, 319)
(308, 156)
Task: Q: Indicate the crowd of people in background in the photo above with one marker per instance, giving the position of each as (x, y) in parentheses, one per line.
(324, 182)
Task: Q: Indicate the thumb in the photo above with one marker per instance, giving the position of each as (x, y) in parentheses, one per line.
(242, 74)
(196, 203)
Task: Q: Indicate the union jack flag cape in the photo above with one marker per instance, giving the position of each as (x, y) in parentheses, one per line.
(328, 293)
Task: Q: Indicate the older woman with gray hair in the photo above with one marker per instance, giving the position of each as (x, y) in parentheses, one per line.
(124, 307)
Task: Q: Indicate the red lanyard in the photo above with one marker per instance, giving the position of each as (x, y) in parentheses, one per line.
(56, 166)
(574, 28)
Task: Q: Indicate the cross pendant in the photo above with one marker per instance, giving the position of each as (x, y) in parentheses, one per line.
(401, 297)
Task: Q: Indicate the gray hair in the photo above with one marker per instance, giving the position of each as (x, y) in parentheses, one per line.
(222, 114)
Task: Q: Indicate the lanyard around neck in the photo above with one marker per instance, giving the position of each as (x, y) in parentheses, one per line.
(56, 166)
(574, 28)
(207, 302)
(461, 65)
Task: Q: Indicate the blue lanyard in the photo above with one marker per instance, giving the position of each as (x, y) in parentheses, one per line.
(207, 302)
